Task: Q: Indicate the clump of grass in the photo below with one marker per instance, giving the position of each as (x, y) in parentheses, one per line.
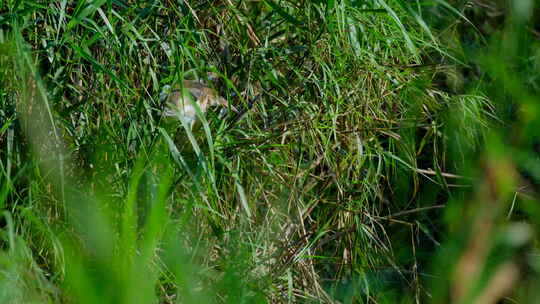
(357, 129)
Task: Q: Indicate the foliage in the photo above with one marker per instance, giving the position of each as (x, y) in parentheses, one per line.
(386, 152)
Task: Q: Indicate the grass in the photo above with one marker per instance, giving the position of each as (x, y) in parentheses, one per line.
(386, 153)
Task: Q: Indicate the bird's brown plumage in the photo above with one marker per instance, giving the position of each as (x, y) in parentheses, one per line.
(181, 98)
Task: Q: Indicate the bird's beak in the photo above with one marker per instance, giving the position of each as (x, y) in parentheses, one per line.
(234, 109)
(222, 102)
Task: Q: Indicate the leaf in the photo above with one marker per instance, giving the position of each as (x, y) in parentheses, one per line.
(283, 13)
(408, 40)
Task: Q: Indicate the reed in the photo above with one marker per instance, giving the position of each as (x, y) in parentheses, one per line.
(382, 152)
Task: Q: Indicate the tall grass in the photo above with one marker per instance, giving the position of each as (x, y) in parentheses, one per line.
(385, 152)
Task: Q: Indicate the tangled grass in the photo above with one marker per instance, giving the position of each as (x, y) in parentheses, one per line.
(346, 178)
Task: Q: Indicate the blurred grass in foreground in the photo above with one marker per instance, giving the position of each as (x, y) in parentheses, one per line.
(392, 156)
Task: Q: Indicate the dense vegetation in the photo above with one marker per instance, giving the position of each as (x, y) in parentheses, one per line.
(384, 152)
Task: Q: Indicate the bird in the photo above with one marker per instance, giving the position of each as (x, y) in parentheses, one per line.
(180, 100)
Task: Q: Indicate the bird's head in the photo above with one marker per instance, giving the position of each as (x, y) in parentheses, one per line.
(164, 94)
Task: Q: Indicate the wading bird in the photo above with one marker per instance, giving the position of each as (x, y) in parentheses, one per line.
(181, 99)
